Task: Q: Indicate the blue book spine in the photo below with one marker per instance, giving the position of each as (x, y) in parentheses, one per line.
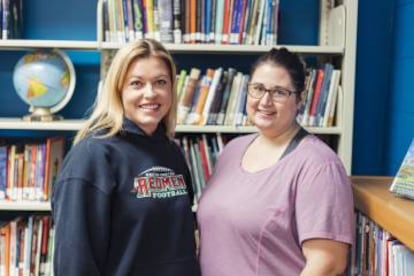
(236, 21)
(207, 16)
(324, 93)
(3, 171)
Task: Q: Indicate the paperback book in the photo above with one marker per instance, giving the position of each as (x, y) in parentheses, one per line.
(403, 183)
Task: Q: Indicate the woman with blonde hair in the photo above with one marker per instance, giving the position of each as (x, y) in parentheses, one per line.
(122, 201)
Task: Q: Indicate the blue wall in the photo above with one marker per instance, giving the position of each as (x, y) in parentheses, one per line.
(401, 109)
(372, 83)
(384, 120)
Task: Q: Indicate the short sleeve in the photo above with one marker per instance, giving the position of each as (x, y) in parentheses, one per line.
(324, 204)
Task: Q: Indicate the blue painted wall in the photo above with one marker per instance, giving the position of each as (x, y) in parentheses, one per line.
(372, 84)
(401, 108)
(384, 93)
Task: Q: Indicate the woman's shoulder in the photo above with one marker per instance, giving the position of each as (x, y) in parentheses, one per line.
(89, 152)
(92, 144)
(316, 150)
(240, 141)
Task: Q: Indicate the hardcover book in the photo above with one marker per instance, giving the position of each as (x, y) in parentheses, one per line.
(403, 184)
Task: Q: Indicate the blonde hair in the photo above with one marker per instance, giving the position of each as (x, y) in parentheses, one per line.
(108, 112)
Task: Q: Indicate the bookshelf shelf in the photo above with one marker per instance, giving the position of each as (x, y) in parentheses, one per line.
(24, 206)
(24, 44)
(19, 124)
(237, 49)
(394, 214)
(75, 124)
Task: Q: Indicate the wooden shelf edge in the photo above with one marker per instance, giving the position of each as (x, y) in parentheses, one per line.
(393, 214)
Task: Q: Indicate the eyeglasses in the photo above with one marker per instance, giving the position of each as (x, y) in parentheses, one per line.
(278, 94)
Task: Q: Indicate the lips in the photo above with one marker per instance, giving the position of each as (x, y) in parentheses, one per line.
(150, 106)
(266, 113)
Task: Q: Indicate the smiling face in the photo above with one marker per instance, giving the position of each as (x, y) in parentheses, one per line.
(147, 93)
(272, 117)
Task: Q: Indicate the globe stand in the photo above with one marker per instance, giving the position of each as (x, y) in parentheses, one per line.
(41, 114)
(45, 80)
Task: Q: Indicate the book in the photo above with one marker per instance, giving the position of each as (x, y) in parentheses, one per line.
(55, 149)
(316, 94)
(221, 112)
(129, 19)
(321, 104)
(180, 83)
(165, 19)
(403, 183)
(328, 114)
(138, 19)
(219, 21)
(186, 99)
(3, 171)
(210, 96)
(218, 96)
(177, 23)
(5, 19)
(149, 19)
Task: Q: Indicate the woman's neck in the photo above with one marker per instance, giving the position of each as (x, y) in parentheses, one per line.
(280, 138)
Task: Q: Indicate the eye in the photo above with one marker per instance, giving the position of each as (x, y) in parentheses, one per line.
(278, 91)
(259, 88)
(137, 84)
(161, 83)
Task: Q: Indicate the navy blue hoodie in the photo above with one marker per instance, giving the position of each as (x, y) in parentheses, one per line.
(121, 206)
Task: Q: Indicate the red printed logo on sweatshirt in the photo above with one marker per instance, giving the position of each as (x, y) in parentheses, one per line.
(159, 182)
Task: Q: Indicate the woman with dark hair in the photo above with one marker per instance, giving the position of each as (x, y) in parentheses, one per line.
(279, 201)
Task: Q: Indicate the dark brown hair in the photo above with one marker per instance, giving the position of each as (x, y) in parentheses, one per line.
(290, 61)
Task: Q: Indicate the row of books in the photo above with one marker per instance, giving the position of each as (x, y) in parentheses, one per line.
(217, 97)
(11, 18)
(192, 21)
(26, 246)
(27, 171)
(377, 252)
(201, 154)
(321, 93)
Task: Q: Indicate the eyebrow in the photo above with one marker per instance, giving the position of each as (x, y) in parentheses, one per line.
(276, 86)
(153, 78)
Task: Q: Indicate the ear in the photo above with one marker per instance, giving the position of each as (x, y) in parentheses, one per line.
(300, 97)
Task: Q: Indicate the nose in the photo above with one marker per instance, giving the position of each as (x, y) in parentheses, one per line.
(267, 98)
(148, 90)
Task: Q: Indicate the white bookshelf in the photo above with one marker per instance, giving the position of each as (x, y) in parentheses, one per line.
(337, 37)
(337, 28)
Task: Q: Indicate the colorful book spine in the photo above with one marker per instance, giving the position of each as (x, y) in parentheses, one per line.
(165, 18)
(189, 90)
(226, 96)
(210, 96)
(177, 23)
(3, 172)
(138, 19)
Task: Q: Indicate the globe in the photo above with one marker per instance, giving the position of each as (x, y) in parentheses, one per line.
(45, 80)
